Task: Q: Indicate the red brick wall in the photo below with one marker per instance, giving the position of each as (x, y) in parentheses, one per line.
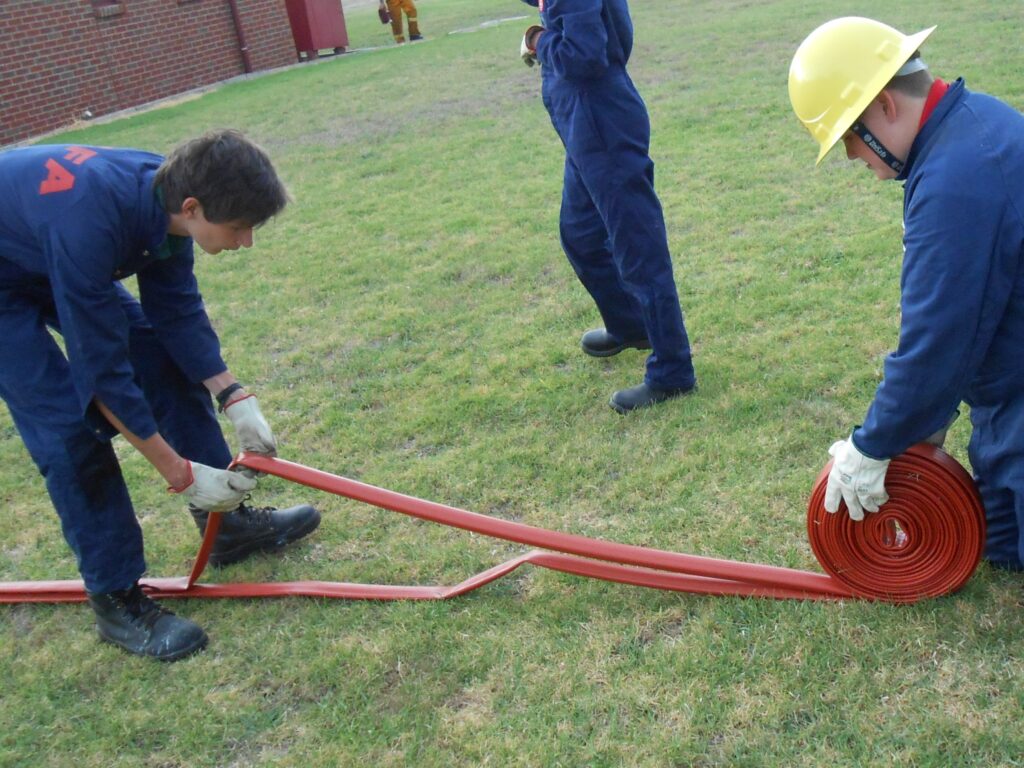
(59, 58)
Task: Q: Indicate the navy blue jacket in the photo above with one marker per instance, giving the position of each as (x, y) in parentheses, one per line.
(75, 221)
(962, 285)
(582, 38)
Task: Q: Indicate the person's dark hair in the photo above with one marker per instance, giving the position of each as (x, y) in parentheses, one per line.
(232, 178)
(915, 84)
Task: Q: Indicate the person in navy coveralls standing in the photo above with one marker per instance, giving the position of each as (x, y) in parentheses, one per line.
(611, 224)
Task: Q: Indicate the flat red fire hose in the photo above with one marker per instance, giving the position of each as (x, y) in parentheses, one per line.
(925, 542)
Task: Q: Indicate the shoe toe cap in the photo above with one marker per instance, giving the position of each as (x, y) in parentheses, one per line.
(174, 638)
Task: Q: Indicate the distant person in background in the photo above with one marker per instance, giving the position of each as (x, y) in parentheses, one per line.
(960, 158)
(611, 223)
(77, 220)
(395, 9)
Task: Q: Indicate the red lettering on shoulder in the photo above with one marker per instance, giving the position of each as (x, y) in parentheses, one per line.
(58, 179)
(79, 155)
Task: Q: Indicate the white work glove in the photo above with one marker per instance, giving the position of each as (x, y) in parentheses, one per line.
(215, 490)
(254, 433)
(527, 52)
(856, 479)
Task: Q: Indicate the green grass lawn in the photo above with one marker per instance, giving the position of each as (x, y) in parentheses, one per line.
(410, 321)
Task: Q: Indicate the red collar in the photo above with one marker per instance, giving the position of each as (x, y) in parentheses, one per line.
(935, 95)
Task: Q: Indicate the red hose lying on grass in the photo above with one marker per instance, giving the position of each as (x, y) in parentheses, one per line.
(925, 542)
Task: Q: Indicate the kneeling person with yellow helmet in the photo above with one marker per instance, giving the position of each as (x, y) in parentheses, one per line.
(960, 157)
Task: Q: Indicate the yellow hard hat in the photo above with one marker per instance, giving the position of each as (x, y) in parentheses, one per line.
(839, 68)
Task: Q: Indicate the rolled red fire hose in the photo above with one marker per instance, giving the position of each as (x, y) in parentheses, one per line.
(925, 542)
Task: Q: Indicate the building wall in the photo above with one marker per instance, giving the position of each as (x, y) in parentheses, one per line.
(60, 58)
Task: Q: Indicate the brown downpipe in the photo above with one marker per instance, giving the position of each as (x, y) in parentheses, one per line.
(236, 17)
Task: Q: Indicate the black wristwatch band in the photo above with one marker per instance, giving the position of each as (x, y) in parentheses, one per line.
(224, 394)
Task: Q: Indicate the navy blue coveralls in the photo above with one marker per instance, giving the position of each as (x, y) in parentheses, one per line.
(962, 301)
(611, 224)
(74, 221)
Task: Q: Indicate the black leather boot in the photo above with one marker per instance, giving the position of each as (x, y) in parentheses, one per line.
(599, 343)
(256, 529)
(130, 619)
(643, 396)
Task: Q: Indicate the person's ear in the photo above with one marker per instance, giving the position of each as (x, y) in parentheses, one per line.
(888, 104)
(190, 207)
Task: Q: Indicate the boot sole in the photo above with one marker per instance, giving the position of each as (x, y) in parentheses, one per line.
(267, 544)
(612, 351)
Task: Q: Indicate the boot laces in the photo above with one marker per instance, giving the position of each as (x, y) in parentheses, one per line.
(142, 608)
(257, 516)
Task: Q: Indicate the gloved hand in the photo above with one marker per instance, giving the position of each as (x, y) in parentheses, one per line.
(215, 490)
(856, 479)
(528, 50)
(254, 433)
